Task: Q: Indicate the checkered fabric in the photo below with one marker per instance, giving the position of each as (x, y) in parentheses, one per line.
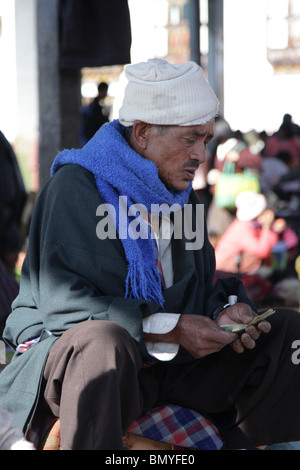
(178, 426)
(181, 427)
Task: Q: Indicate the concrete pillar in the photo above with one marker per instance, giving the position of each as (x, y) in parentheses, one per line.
(70, 103)
(194, 17)
(215, 54)
(59, 92)
(49, 96)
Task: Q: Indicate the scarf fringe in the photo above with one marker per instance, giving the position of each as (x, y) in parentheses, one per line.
(142, 284)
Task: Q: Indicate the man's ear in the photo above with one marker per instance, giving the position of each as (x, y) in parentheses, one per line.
(140, 135)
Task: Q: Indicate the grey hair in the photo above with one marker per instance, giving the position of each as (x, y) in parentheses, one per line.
(161, 129)
(128, 133)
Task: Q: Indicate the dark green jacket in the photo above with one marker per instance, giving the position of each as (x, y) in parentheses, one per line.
(70, 275)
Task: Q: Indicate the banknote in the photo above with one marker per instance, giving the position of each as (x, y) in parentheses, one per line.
(240, 327)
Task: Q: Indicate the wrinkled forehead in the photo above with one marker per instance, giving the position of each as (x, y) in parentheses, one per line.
(196, 131)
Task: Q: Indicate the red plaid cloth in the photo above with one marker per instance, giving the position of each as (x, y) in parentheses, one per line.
(178, 426)
(181, 427)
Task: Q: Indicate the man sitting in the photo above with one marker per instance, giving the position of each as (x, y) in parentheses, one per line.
(117, 310)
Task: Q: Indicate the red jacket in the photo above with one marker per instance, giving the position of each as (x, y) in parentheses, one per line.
(244, 237)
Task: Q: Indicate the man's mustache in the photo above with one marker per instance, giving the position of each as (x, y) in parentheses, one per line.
(191, 165)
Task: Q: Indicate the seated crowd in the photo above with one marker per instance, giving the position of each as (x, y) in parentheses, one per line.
(257, 238)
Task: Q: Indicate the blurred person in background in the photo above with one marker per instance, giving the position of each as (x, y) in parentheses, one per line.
(249, 239)
(13, 197)
(94, 115)
(12, 201)
(284, 139)
(235, 151)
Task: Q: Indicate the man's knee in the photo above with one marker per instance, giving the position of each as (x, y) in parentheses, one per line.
(101, 338)
(98, 343)
(102, 332)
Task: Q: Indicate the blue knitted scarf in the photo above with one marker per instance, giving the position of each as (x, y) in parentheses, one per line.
(120, 171)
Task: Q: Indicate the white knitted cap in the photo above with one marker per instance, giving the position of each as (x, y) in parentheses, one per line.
(161, 93)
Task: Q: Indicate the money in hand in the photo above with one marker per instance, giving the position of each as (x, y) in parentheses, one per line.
(240, 327)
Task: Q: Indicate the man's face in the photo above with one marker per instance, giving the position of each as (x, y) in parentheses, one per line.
(178, 151)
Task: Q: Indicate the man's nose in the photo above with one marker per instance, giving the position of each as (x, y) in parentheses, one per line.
(199, 152)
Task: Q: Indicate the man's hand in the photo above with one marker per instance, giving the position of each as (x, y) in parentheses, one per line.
(199, 335)
(242, 313)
